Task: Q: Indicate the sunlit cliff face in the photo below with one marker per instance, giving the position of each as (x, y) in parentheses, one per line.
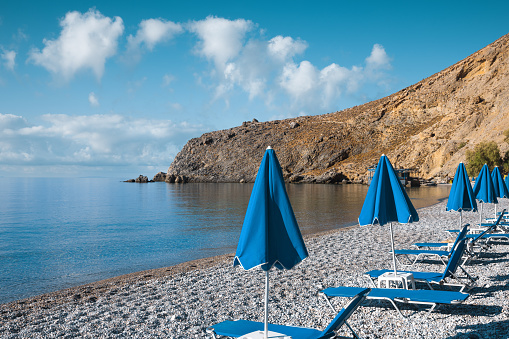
(427, 126)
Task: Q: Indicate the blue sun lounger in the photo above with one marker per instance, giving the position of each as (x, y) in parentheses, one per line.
(420, 253)
(429, 245)
(503, 226)
(492, 236)
(437, 278)
(400, 296)
(239, 328)
(491, 228)
(480, 242)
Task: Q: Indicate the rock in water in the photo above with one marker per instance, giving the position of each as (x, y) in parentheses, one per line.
(161, 176)
(141, 179)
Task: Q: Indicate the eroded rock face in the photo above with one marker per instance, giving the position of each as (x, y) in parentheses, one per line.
(141, 179)
(427, 126)
(161, 176)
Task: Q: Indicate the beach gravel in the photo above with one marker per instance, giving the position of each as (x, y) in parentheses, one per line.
(182, 301)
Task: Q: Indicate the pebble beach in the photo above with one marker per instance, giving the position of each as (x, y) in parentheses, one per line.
(183, 300)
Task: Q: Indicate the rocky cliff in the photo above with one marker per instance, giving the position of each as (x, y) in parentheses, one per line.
(427, 126)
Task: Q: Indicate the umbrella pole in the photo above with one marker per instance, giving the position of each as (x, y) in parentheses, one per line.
(495, 211)
(266, 327)
(393, 254)
(461, 223)
(480, 215)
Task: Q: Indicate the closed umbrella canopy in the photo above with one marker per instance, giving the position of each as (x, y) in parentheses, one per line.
(461, 196)
(499, 185)
(484, 190)
(270, 234)
(387, 201)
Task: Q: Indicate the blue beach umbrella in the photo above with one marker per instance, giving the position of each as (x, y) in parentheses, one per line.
(499, 185)
(270, 235)
(484, 190)
(461, 196)
(387, 201)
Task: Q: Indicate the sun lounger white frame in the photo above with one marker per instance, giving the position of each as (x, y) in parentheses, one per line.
(421, 253)
(330, 332)
(437, 278)
(433, 298)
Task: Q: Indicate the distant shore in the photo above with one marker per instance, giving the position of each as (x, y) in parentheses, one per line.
(183, 300)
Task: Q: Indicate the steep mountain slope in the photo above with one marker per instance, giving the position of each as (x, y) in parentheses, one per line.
(427, 126)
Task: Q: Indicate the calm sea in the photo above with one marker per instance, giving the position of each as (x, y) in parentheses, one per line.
(58, 233)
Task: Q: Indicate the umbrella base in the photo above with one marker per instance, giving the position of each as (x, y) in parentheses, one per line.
(261, 335)
(405, 279)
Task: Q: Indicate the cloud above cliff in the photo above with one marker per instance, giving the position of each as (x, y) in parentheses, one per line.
(85, 42)
(97, 140)
(272, 71)
(220, 39)
(150, 33)
(242, 58)
(215, 70)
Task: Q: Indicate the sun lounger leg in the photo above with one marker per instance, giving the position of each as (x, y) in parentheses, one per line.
(473, 279)
(434, 307)
(328, 302)
(408, 260)
(371, 281)
(396, 307)
(351, 330)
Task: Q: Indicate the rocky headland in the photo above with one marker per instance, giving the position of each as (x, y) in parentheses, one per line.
(426, 127)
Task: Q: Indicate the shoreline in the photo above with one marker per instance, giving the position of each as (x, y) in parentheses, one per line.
(35, 287)
(181, 301)
(91, 290)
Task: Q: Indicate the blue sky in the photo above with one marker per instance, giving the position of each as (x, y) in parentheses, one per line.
(116, 88)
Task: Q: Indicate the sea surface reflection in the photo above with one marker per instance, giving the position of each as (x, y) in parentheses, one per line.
(58, 233)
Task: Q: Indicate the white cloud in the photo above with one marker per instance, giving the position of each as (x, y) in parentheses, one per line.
(269, 69)
(9, 58)
(9, 122)
(92, 99)
(251, 70)
(299, 80)
(332, 78)
(220, 39)
(153, 31)
(284, 48)
(97, 140)
(310, 87)
(85, 42)
(378, 59)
